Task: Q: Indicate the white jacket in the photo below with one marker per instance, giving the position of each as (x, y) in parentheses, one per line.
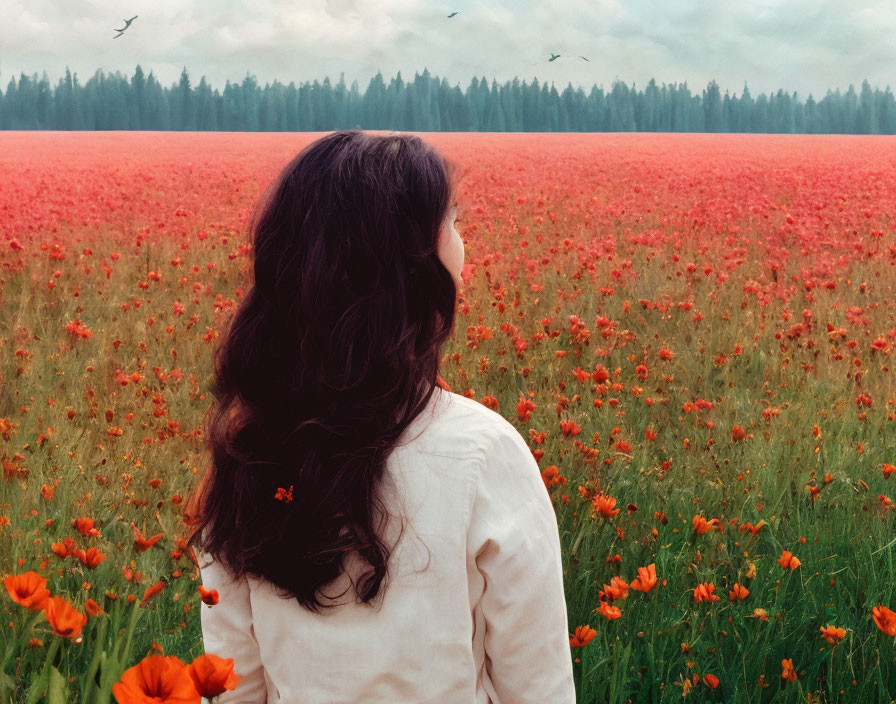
(484, 623)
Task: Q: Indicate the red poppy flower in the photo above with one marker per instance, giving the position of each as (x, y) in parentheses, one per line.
(157, 678)
(213, 675)
(65, 619)
(208, 596)
(28, 589)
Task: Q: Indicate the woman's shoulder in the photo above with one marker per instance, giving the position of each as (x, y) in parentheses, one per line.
(478, 412)
(469, 426)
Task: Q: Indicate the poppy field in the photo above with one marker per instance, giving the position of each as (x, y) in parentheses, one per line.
(693, 332)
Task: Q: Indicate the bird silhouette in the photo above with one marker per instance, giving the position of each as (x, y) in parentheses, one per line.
(452, 15)
(553, 56)
(588, 60)
(127, 23)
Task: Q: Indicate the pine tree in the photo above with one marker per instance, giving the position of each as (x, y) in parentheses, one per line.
(206, 115)
(745, 120)
(712, 107)
(251, 98)
(184, 115)
(866, 117)
(137, 100)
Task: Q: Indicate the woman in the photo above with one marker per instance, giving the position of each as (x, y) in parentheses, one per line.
(332, 422)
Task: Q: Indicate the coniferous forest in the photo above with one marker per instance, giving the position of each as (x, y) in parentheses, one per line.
(115, 102)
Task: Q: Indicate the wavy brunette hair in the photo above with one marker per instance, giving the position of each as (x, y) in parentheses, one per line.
(329, 356)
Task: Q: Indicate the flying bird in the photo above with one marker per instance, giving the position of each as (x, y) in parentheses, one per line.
(588, 60)
(553, 56)
(452, 15)
(127, 23)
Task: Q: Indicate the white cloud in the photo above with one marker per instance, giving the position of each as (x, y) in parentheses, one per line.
(797, 45)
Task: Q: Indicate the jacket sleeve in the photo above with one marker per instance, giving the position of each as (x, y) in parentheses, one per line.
(227, 631)
(514, 536)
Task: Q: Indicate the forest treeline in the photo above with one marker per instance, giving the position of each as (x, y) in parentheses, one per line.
(115, 102)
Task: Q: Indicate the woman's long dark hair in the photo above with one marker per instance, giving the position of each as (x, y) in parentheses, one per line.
(329, 356)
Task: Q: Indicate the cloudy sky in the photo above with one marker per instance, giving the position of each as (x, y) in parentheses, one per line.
(795, 45)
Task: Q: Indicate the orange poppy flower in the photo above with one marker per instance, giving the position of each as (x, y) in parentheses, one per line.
(570, 428)
(213, 675)
(788, 560)
(524, 409)
(441, 382)
(284, 495)
(611, 612)
(885, 619)
(704, 592)
(711, 680)
(832, 634)
(582, 637)
(85, 526)
(787, 671)
(60, 549)
(157, 678)
(142, 543)
(754, 529)
(616, 589)
(701, 525)
(208, 596)
(65, 548)
(28, 589)
(605, 505)
(151, 591)
(92, 608)
(738, 593)
(646, 579)
(91, 557)
(65, 619)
